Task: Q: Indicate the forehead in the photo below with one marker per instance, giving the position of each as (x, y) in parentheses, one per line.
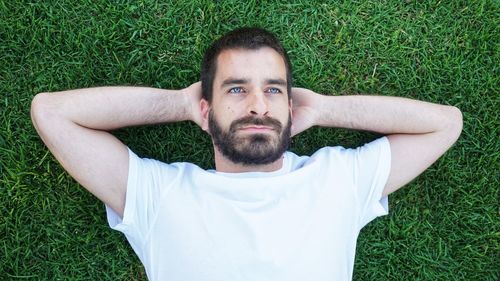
(255, 65)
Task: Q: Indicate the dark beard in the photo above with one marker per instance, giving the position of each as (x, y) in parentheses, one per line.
(257, 149)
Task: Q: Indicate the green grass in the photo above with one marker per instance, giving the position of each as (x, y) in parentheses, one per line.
(442, 226)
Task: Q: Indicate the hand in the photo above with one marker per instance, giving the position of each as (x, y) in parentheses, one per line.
(193, 94)
(304, 110)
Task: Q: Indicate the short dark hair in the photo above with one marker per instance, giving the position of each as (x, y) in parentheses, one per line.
(251, 38)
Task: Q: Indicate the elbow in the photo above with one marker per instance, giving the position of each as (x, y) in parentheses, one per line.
(455, 122)
(38, 105)
(42, 108)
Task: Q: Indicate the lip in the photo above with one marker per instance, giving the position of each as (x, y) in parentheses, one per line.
(256, 128)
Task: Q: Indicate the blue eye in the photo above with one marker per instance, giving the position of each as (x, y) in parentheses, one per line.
(274, 90)
(236, 90)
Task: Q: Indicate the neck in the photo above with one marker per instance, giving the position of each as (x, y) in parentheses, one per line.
(222, 164)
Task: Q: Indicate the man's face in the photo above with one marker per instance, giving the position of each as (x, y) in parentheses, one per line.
(250, 114)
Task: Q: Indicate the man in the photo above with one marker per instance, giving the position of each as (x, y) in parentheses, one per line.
(263, 213)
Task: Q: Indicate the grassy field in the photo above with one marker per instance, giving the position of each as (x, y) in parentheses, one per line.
(443, 226)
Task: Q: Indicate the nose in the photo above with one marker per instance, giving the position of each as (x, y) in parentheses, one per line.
(258, 104)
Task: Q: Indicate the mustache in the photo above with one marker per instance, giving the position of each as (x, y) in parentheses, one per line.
(251, 120)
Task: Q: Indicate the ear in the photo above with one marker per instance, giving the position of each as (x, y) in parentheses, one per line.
(205, 110)
(290, 108)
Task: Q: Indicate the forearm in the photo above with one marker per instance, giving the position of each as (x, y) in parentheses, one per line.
(385, 115)
(108, 108)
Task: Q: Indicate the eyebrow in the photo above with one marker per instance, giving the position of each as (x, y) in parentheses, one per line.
(233, 81)
(279, 82)
(239, 81)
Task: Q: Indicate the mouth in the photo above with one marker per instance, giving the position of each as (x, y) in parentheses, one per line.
(252, 125)
(256, 129)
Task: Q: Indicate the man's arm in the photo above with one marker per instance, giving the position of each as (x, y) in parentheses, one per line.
(418, 132)
(74, 124)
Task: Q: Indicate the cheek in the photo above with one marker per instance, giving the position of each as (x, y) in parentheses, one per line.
(224, 115)
(230, 111)
(284, 112)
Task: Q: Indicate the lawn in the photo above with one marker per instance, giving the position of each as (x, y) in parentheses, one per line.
(443, 226)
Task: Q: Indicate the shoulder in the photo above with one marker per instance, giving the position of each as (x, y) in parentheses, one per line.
(376, 146)
(338, 154)
(154, 167)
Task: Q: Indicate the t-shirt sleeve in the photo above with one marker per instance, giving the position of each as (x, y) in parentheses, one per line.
(371, 167)
(148, 180)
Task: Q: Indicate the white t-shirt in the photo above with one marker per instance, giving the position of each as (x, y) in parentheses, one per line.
(298, 223)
